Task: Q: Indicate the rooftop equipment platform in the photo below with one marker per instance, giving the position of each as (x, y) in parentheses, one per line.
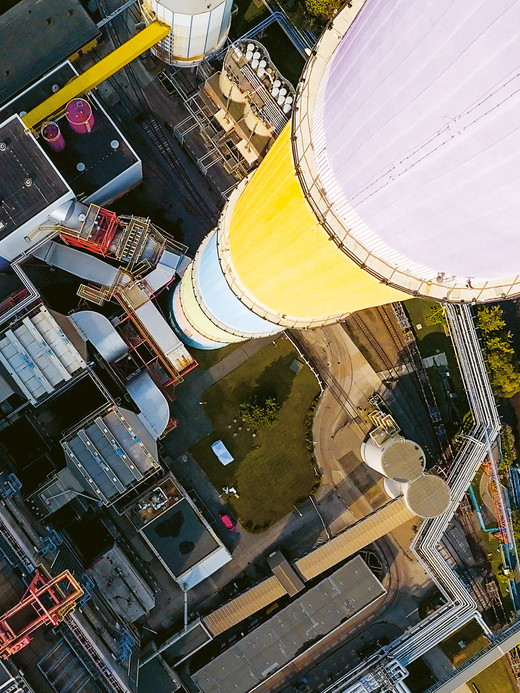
(51, 31)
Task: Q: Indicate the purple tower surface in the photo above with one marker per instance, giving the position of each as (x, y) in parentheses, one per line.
(418, 120)
(79, 115)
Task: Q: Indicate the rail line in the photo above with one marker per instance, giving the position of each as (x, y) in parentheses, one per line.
(411, 385)
(142, 114)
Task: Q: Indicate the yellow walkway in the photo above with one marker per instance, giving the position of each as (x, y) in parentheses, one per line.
(98, 73)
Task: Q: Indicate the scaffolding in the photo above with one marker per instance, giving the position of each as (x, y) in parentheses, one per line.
(46, 602)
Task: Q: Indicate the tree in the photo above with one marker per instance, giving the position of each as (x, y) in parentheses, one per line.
(260, 412)
(490, 319)
(500, 355)
(435, 316)
(323, 8)
(508, 447)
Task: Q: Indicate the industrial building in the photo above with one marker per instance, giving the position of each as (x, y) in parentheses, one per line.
(178, 534)
(52, 31)
(355, 205)
(311, 616)
(83, 393)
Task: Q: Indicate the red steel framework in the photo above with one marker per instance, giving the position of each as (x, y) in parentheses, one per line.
(97, 231)
(46, 602)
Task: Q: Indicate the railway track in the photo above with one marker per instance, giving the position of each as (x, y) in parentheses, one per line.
(410, 387)
(140, 111)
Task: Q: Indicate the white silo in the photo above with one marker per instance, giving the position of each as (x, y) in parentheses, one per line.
(197, 28)
(393, 456)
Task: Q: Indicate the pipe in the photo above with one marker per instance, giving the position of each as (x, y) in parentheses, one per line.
(474, 502)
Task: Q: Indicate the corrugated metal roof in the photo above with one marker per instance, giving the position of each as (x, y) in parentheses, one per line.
(38, 355)
(246, 604)
(109, 455)
(354, 538)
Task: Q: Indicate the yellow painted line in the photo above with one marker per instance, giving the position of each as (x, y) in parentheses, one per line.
(98, 73)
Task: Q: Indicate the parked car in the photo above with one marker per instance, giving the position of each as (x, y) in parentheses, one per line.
(228, 521)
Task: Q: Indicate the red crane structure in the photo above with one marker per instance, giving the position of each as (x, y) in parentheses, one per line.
(46, 602)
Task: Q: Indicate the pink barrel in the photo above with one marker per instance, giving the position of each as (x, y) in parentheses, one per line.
(51, 133)
(79, 115)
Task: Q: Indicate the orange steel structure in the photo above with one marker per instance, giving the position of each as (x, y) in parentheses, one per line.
(46, 602)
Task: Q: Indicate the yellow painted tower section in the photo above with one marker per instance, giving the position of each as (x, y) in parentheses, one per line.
(284, 258)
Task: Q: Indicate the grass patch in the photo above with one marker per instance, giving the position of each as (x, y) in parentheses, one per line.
(273, 470)
(497, 678)
(206, 358)
(464, 643)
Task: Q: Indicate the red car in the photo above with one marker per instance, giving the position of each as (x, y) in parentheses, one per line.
(228, 521)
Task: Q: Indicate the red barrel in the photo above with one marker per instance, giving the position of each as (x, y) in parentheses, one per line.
(79, 115)
(51, 133)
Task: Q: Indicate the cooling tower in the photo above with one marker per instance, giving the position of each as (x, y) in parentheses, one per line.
(398, 176)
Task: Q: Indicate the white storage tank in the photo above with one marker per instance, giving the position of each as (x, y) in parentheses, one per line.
(198, 28)
(395, 457)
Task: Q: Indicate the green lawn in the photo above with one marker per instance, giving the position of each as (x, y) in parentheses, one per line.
(497, 678)
(273, 470)
(206, 358)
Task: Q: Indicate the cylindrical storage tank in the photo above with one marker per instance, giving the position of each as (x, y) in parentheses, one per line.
(79, 116)
(427, 496)
(229, 89)
(255, 124)
(51, 133)
(396, 458)
(357, 204)
(198, 28)
(393, 489)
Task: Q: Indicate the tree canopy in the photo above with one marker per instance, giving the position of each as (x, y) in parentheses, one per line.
(260, 412)
(323, 8)
(500, 355)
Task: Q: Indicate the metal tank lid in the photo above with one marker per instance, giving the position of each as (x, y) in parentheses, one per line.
(192, 6)
(427, 496)
(402, 460)
(417, 134)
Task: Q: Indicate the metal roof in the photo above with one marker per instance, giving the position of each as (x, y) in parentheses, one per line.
(285, 573)
(109, 455)
(99, 331)
(51, 30)
(313, 615)
(153, 405)
(354, 538)
(245, 605)
(38, 355)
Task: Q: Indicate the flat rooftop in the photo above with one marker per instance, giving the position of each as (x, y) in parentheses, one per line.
(94, 150)
(29, 183)
(102, 162)
(277, 641)
(180, 538)
(37, 35)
